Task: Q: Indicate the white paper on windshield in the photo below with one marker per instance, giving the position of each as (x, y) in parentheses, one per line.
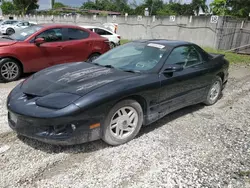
(156, 45)
(24, 34)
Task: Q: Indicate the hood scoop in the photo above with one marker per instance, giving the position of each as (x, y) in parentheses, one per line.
(29, 96)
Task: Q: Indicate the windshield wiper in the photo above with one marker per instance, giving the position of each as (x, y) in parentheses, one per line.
(109, 66)
(133, 71)
(96, 64)
(7, 38)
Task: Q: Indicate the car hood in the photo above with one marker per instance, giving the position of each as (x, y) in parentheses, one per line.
(6, 42)
(76, 78)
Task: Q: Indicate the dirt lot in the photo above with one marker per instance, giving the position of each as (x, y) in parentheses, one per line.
(194, 147)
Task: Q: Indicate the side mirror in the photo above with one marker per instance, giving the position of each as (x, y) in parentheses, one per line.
(173, 68)
(39, 41)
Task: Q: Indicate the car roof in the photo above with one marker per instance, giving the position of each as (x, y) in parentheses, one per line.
(165, 42)
(93, 26)
(48, 25)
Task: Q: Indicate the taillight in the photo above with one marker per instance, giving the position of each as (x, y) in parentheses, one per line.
(119, 37)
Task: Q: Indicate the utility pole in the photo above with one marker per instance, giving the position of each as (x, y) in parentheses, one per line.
(224, 8)
(152, 6)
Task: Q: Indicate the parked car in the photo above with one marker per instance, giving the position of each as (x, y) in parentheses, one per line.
(13, 27)
(111, 98)
(40, 46)
(114, 38)
(7, 22)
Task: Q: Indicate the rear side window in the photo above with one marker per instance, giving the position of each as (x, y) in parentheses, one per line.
(77, 34)
(9, 22)
(184, 55)
(102, 32)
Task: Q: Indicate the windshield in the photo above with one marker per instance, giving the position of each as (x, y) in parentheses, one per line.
(25, 33)
(134, 56)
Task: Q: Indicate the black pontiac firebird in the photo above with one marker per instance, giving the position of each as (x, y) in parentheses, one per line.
(113, 96)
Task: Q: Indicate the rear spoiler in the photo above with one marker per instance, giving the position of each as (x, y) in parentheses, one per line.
(215, 55)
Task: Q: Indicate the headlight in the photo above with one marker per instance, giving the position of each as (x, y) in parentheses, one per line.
(57, 100)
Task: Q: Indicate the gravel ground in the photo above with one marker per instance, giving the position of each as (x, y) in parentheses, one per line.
(194, 147)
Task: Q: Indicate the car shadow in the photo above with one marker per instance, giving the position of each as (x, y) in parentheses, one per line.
(99, 144)
(169, 118)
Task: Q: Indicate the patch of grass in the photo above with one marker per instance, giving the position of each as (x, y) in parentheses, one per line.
(231, 57)
(124, 41)
(244, 174)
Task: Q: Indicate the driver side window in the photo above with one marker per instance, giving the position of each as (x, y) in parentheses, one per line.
(51, 35)
(184, 55)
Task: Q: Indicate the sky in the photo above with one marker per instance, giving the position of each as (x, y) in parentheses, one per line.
(45, 4)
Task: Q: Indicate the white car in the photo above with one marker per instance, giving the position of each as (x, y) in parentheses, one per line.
(113, 38)
(11, 26)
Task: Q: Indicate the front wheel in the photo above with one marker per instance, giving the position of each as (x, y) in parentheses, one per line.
(123, 122)
(10, 31)
(214, 92)
(10, 70)
(112, 45)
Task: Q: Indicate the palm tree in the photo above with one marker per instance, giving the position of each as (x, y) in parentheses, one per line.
(199, 4)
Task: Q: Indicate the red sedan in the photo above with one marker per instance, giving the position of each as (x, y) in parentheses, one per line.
(41, 46)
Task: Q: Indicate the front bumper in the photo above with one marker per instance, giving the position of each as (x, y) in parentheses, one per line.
(59, 131)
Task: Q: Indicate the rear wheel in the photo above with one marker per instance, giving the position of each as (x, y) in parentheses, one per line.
(10, 31)
(123, 122)
(112, 45)
(214, 92)
(93, 57)
(10, 70)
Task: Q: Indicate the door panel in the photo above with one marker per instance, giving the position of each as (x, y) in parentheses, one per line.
(55, 50)
(54, 45)
(186, 87)
(78, 45)
(37, 58)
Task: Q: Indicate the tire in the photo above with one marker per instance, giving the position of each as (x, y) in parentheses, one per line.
(117, 133)
(10, 70)
(112, 45)
(10, 31)
(92, 57)
(214, 92)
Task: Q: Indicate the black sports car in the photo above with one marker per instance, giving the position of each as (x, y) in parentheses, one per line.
(113, 96)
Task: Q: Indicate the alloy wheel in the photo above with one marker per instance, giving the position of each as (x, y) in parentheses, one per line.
(215, 91)
(124, 122)
(9, 70)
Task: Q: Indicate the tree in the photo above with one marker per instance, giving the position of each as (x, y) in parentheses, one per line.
(7, 7)
(89, 5)
(24, 6)
(237, 8)
(197, 4)
(58, 5)
(108, 5)
(176, 9)
(219, 7)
